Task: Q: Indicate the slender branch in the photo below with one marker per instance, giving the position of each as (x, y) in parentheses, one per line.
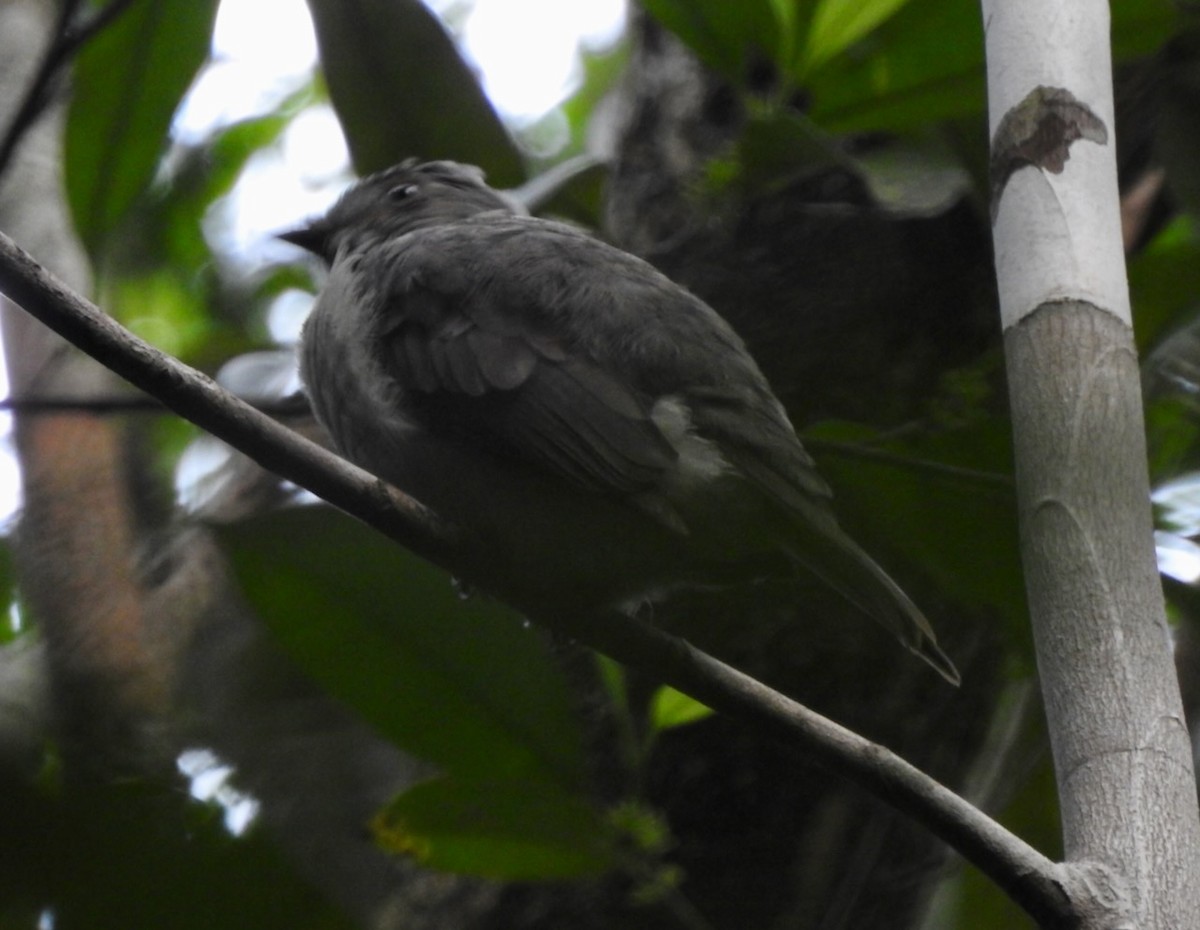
(68, 40)
(79, 35)
(912, 463)
(1045, 889)
(277, 407)
(97, 406)
(199, 399)
(1040, 886)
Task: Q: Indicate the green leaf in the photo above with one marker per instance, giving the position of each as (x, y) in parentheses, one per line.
(504, 829)
(128, 83)
(161, 275)
(612, 677)
(140, 852)
(464, 684)
(670, 708)
(915, 176)
(870, 65)
(788, 20)
(916, 63)
(643, 829)
(161, 307)
(837, 24)
(1142, 27)
(778, 145)
(7, 591)
(600, 71)
(401, 89)
(924, 63)
(1164, 281)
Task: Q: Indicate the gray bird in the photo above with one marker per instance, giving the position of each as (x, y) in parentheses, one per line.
(603, 432)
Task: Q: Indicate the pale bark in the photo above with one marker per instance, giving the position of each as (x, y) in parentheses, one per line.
(1122, 755)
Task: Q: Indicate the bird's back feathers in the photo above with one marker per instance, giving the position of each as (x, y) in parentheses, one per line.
(532, 343)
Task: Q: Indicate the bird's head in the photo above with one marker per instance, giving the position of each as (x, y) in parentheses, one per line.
(402, 198)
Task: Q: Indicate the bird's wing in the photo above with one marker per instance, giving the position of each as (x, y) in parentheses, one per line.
(757, 440)
(534, 322)
(475, 368)
(756, 437)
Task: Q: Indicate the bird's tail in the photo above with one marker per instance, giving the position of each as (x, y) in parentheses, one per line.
(839, 562)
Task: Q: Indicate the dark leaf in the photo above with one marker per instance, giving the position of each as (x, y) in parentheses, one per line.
(838, 24)
(1164, 283)
(401, 89)
(139, 853)
(1140, 27)
(514, 830)
(778, 146)
(128, 83)
(464, 684)
(670, 708)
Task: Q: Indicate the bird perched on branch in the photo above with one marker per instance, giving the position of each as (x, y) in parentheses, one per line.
(602, 432)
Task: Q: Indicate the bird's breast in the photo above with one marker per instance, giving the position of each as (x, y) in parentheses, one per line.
(351, 395)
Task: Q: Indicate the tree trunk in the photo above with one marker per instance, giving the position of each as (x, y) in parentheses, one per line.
(1121, 748)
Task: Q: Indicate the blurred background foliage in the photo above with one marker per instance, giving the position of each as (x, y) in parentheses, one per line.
(506, 757)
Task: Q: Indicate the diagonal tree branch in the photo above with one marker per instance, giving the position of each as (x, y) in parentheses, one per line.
(1048, 891)
(283, 408)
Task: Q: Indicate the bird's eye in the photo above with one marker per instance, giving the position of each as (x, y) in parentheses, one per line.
(402, 192)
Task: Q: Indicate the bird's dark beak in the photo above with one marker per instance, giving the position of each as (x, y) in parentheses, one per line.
(313, 237)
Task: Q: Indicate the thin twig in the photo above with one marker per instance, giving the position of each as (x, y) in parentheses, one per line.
(68, 40)
(277, 407)
(910, 462)
(38, 92)
(1045, 889)
(76, 37)
(97, 406)
(293, 406)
